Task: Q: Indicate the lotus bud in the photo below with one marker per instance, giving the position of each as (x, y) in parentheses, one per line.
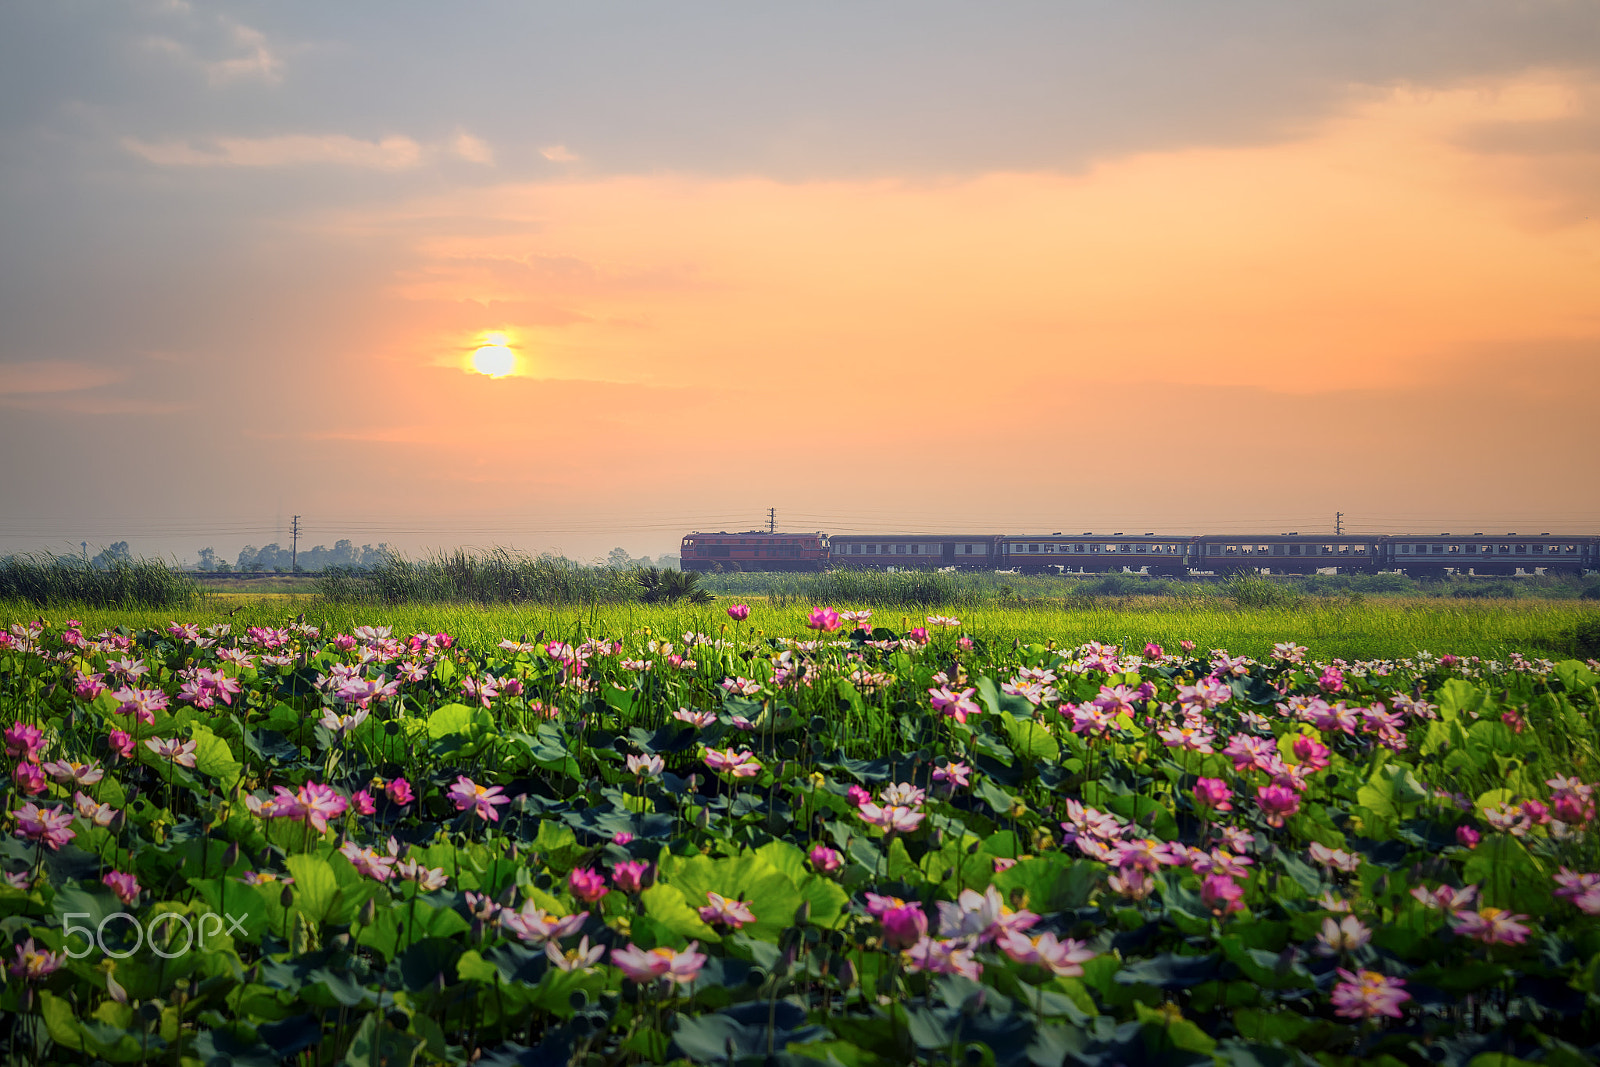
(802, 914)
(230, 856)
(286, 898)
(368, 912)
(846, 974)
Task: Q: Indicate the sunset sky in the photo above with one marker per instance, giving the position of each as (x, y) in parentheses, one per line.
(899, 266)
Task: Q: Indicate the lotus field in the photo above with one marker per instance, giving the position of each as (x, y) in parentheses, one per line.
(859, 846)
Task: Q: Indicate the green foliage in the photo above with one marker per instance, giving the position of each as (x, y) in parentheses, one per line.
(117, 581)
(498, 576)
(669, 587)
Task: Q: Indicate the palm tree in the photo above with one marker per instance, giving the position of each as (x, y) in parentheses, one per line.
(669, 587)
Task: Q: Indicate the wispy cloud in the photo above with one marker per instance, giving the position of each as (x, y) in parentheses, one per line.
(389, 153)
(557, 153)
(32, 377)
(231, 51)
(472, 149)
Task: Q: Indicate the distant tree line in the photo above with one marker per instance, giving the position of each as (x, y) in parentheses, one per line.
(275, 557)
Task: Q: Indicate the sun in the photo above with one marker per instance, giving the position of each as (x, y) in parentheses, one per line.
(496, 361)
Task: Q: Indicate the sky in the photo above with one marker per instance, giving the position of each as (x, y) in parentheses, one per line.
(904, 266)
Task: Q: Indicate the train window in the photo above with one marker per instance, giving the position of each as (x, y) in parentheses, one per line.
(1570, 549)
(1522, 548)
(1213, 550)
(1455, 548)
(1294, 550)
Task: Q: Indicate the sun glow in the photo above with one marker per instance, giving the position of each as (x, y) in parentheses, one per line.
(496, 361)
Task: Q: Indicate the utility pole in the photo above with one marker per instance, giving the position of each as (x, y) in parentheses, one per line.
(1338, 523)
(294, 545)
(772, 520)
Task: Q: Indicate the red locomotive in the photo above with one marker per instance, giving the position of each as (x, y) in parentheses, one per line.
(754, 550)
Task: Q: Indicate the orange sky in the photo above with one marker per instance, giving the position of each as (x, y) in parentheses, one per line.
(1387, 304)
(1344, 300)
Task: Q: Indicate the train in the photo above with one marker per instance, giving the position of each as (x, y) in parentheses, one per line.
(1164, 555)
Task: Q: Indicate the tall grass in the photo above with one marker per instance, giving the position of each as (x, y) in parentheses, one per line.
(497, 576)
(1371, 629)
(44, 580)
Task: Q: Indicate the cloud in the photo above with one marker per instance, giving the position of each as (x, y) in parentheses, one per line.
(49, 376)
(472, 149)
(228, 50)
(390, 153)
(557, 153)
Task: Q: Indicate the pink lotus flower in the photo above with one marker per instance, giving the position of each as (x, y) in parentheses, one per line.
(1492, 926)
(1152, 651)
(1222, 894)
(1313, 754)
(919, 634)
(587, 884)
(24, 741)
(739, 612)
(894, 818)
(739, 764)
(1332, 680)
(1214, 794)
(1346, 935)
(141, 703)
(725, 912)
(954, 705)
(641, 966)
(33, 963)
(1368, 994)
(629, 875)
(91, 812)
(1277, 803)
(903, 926)
(578, 959)
(399, 791)
(1467, 837)
(481, 800)
(48, 825)
(964, 643)
(984, 916)
(369, 861)
(825, 859)
(1447, 898)
(125, 886)
(1063, 958)
(858, 796)
(29, 778)
(824, 619)
(622, 837)
(1334, 858)
(536, 926)
(697, 719)
(953, 776)
(313, 803)
(120, 742)
(88, 686)
(179, 752)
(943, 957)
(646, 766)
(71, 772)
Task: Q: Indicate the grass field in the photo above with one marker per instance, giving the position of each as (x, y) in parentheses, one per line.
(1370, 629)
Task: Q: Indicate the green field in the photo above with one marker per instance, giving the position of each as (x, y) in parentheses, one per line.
(1384, 628)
